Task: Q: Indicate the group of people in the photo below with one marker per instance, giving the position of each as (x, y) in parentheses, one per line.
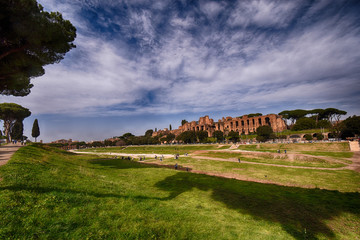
(16, 141)
(279, 151)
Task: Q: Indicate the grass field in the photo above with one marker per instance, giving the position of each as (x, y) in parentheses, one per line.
(47, 193)
(158, 149)
(274, 159)
(295, 147)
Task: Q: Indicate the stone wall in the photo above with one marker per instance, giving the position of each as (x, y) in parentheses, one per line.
(242, 125)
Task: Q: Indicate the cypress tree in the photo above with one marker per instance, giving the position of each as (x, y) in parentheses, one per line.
(35, 130)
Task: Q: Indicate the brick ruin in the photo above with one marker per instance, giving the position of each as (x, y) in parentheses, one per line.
(242, 125)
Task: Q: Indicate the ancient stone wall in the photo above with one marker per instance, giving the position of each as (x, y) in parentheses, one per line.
(242, 125)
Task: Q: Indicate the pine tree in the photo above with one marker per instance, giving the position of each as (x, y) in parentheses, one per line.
(17, 130)
(35, 130)
(170, 127)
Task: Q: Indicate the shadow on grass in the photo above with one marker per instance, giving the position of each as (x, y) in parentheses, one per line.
(124, 164)
(119, 163)
(40, 190)
(301, 212)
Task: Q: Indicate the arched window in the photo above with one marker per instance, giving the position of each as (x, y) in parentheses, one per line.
(267, 121)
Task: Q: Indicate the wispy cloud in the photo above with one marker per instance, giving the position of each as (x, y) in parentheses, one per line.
(140, 58)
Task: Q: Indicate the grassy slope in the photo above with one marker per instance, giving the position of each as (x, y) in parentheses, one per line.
(341, 180)
(46, 193)
(281, 159)
(298, 147)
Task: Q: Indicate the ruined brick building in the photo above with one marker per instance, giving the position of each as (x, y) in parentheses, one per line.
(242, 125)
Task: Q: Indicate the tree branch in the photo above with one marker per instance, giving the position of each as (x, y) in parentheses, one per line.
(13, 51)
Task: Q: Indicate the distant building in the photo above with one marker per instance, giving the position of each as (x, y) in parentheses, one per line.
(243, 125)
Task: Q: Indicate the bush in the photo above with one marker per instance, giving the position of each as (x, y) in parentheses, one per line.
(282, 137)
(260, 138)
(210, 140)
(319, 136)
(308, 137)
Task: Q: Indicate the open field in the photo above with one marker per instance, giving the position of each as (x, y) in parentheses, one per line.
(49, 193)
(157, 149)
(283, 159)
(296, 147)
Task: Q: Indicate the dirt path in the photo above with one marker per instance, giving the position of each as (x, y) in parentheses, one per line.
(355, 162)
(7, 151)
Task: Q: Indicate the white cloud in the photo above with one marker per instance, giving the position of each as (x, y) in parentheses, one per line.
(264, 13)
(211, 8)
(207, 71)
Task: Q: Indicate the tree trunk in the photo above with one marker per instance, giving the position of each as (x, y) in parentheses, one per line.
(7, 126)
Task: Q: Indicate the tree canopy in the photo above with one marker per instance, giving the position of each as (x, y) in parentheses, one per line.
(254, 114)
(293, 115)
(10, 113)
(331, 114)
(17, 130)
(149, 133)
(202, 135)
(264, 133)
(233, 136)
(304, 123)
(30, 38)
(219, 135)
(350, 127)
(187, 137)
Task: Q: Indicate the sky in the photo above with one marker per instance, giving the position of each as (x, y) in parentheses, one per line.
(142, 65)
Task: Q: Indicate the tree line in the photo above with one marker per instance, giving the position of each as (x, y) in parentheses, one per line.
(30, 38)
(13, 115)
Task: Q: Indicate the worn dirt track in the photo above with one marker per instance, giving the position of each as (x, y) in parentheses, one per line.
(7, 151)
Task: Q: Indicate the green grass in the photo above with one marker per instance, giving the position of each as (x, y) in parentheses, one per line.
(330, 154)
(299, 147)
(160, 149)
(281, 159)
(289, 132)
(340, 180)
(249, 136)
(50, 194)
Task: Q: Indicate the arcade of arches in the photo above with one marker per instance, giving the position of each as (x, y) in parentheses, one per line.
(242, 125)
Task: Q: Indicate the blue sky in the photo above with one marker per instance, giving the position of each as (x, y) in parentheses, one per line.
(142, 65)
